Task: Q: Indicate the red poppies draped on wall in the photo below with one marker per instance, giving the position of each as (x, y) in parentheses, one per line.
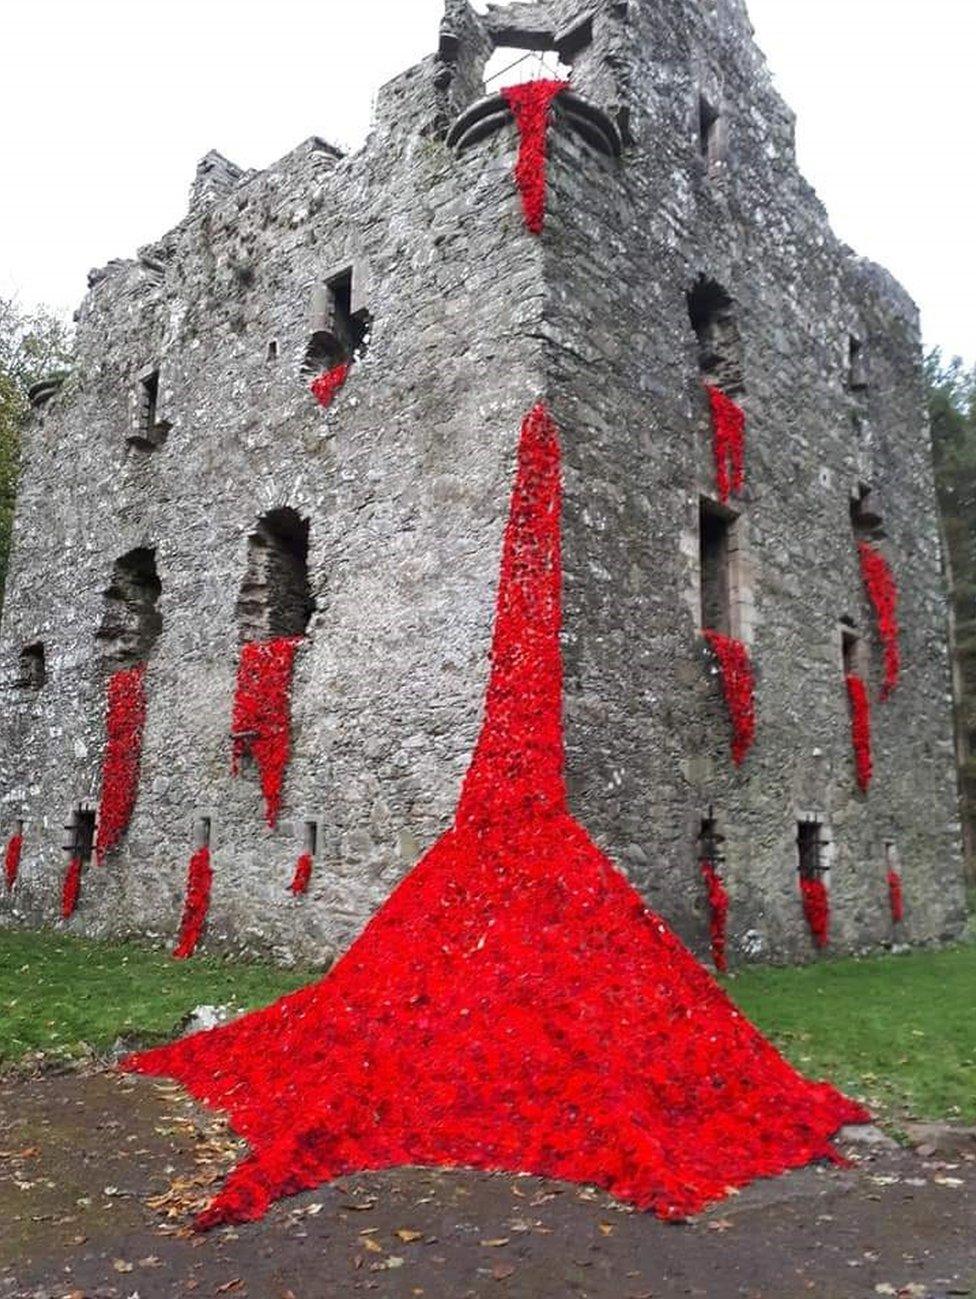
(326, 385)
(728, 442)
(896, 897)
(816, 908)
(531, 105)
(739, 688)
(11, 859)
(262, 714)
(124, 725)
(718, 911)
(514, 1005)
(71, 888)
(196, 904)
(880, 585)
(860, 707)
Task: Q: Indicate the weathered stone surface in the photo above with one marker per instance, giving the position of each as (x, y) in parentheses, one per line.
(404, 484)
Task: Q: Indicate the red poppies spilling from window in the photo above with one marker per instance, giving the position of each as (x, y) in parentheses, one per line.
(896, 897)
(514, 1005)
(531, 104)
(262, 714)
(71, 889)
(728, 442)
(816, 908)
(196, 904)
(124, 725)
(880, 585)
(718, 911)
(739, 689)
(857, 695)
(11, 859)
(325, 386)
(303, 874)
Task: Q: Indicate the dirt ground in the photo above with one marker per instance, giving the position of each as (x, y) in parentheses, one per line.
(98, 1173)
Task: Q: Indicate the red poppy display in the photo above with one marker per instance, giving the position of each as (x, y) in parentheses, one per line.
(303, 874)
(196, 904)
(739, 689)
(71, 888)
(326, 385)
(124, 726)
(857, 695)
(11, 859)
(879, 582)
(896, 897)
(816, 908)
(514, 1005)
(718, 909)
(728, 442)
(261, 720)
(531, 104)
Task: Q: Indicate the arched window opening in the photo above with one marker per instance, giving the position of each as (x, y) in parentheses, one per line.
(714, 319)
(131, 621)
(275, 599)
(33, 668)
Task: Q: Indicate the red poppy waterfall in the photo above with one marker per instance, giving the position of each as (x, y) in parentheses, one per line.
(514, 1005)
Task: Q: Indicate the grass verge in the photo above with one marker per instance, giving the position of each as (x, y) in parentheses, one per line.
(897, 1031)
(68, 996)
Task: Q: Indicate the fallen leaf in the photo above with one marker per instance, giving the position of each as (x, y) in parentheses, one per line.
(501, 1271)
(606, 1229)
(121, 1265)
(387, 1264)
(493, 1244)
(408, 1236)
(721, 1224)
(373, 1246)
(236, 1284)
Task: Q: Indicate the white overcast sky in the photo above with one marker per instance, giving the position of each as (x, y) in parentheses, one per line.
(106, 106)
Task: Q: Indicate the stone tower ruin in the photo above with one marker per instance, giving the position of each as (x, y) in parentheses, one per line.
(184, 496)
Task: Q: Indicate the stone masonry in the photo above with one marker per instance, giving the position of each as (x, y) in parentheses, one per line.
(182, 491)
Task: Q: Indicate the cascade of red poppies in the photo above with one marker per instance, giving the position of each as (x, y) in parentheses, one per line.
(514, 1005)
(325, 386)
(531, 104)
(857, 695)
(739, 689)
(303, 874)
(124, 725)
(11, 859)
(896, 897)
(816, 908)
(718, 911)
(728, 442)
(71, 888)
(261, 721)
(196, 904)
(879, 582)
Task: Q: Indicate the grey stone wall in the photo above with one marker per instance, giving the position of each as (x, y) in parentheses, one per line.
(404, 484)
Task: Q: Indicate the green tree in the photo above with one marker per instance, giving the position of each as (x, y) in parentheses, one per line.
(952, 409)
(33, 346)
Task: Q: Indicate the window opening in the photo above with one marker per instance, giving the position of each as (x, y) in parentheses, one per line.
(311, 837)
(857, 375)
(810, 850)
(709, 131)
(339, 333)
(715, 568)
(275, 598)
(151, 431)
(713, 316)
(866, 519)
(33, 670)
(131, 621)
(81, 834)
(710, 841)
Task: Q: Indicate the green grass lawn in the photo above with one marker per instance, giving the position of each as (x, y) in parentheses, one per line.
(899, 1031)
(63, 995)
